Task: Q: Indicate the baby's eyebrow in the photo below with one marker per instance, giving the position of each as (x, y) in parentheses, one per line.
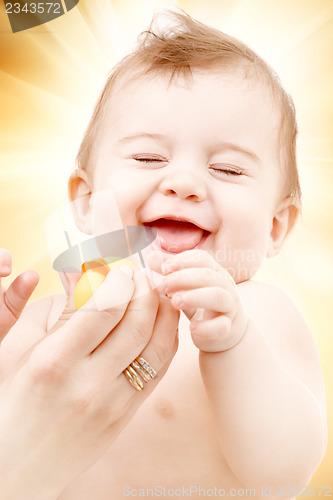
(221, 147)
(142, 135)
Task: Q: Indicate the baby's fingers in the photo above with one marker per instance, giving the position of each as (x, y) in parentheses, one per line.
(217, 334)
(167, 263)
(189, 259)
(214, 299)
(187, 279)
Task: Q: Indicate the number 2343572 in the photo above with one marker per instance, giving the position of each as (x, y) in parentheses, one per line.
(33, 8)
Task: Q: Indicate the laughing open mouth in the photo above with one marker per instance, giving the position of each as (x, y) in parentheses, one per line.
(175, 236)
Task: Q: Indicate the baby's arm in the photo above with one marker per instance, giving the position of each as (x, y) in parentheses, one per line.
(267, 394)
(261, 371)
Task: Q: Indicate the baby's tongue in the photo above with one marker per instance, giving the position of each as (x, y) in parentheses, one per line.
(176, 236)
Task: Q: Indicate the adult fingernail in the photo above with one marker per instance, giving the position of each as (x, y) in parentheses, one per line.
(126, 270)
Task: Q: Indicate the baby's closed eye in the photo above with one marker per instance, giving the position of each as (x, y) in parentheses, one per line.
(227, 169)
(149, 159)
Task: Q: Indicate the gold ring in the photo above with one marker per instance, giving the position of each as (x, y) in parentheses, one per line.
(139, 370)
(133, 378)
(146, 366)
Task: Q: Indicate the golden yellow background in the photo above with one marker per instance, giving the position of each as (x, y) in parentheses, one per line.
(50, 77)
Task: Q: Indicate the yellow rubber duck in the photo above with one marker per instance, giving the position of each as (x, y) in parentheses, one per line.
(94, 273)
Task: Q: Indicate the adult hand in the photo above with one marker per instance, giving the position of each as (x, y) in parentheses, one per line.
(13, 300)
(68, 399)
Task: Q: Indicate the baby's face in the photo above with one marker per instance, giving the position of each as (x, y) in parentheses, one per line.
(196, 161)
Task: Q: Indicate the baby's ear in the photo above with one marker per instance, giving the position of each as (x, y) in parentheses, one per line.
(283, 223)
(79, 192)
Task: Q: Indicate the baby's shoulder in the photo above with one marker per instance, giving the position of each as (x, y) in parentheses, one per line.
(266, 291)
(284, 327)
(274, 312)
(267, 304)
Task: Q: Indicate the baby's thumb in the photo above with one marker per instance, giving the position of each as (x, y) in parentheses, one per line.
(69, 281)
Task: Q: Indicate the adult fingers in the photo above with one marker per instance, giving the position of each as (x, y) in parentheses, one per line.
(135, 330)
(20, 291)
(92, 323)
(160, 350)
(69, 281)
(5, 263)
(16, 298)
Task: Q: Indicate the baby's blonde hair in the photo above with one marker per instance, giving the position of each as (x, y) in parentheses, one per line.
(186, 45)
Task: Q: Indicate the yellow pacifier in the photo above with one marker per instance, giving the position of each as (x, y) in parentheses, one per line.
(94, 273)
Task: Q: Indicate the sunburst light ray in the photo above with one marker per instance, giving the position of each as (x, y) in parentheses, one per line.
(50, 77)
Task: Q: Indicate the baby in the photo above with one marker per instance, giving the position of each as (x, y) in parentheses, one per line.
(195, 137)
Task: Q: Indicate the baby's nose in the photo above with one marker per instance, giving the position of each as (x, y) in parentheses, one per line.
(184, 184)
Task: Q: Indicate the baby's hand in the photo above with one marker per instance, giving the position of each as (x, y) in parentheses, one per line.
(13, 300)
(208, 295)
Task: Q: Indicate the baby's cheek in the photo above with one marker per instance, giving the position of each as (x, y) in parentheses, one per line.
(242, 245)
(105, 212)
(130, 191)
